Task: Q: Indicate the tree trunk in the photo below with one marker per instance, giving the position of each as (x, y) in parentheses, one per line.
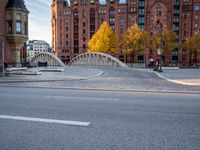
(132, 59)
(190, 61)
(195, 57)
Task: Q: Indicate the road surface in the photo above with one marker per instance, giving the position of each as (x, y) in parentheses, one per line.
(63, 119)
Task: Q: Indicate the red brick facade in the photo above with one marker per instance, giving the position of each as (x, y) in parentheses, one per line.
(13, 32)
(73, 24)
(2, 28)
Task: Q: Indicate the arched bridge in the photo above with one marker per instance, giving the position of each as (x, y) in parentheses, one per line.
(96, 59)
(49, 58)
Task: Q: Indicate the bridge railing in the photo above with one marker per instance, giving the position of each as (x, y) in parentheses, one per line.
(51, 59)
(96, 59)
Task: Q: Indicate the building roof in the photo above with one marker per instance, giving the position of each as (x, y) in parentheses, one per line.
(19, 4)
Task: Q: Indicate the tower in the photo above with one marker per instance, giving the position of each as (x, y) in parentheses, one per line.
(16, 31)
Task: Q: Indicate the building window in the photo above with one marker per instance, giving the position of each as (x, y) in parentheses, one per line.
(18, 26)
(92, 1)
(196, 26)
(76, 31)
(112, 18)
(92, 22)
(140, 58)
(84, 31)
(25, 28)
(10, 29)
(197, 8)
(196, 17)
(84, 39)
(84, 24)
(84, 13)
(112, 1)
(83, 2)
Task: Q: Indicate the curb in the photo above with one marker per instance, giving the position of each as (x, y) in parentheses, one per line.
(110, 90)
(175, 81)
(67, 79)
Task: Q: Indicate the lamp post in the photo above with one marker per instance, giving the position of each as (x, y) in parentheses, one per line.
(160, 53)
(160, 49)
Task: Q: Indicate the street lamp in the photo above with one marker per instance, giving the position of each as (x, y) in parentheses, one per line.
(160, 49)
(160, 53)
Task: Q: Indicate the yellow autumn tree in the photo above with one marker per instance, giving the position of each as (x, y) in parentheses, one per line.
(104, 40)
(153, 42)
(134, 41)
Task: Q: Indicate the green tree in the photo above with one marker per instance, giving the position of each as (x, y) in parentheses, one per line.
(170, 41)
(104, 40)
(134, 41)
(193, 45)
(166, 40)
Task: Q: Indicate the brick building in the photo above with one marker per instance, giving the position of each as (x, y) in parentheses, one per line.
(74, 23)
(13, 32)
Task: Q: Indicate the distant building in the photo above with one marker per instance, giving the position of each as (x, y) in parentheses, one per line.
(74, 24)
(36, 46)
(13, 32)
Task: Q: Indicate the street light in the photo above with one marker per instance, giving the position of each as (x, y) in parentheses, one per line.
(160, 49)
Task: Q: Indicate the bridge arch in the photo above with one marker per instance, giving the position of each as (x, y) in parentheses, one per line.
(96, 59)
(51, 59)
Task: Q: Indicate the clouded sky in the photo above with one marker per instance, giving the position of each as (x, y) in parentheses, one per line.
(40, 19)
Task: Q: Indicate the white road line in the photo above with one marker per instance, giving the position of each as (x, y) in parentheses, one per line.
(83, 98)
(65, 122)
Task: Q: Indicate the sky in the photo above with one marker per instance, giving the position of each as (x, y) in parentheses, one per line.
(40, 19)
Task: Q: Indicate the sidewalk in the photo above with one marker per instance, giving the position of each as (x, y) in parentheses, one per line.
(69, 73)
(181, 76)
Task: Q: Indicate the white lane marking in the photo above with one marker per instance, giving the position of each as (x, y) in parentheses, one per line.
(65, 122)
(83, 98)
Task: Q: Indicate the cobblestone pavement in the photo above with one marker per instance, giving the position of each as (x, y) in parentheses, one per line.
(114, 79)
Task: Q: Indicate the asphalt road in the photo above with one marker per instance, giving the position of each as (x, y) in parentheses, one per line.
(117, 120)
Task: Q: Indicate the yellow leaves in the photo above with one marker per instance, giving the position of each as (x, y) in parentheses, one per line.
(104, 40)
(166, 40)
(169, 41)
(193, 44)
(134, 40)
